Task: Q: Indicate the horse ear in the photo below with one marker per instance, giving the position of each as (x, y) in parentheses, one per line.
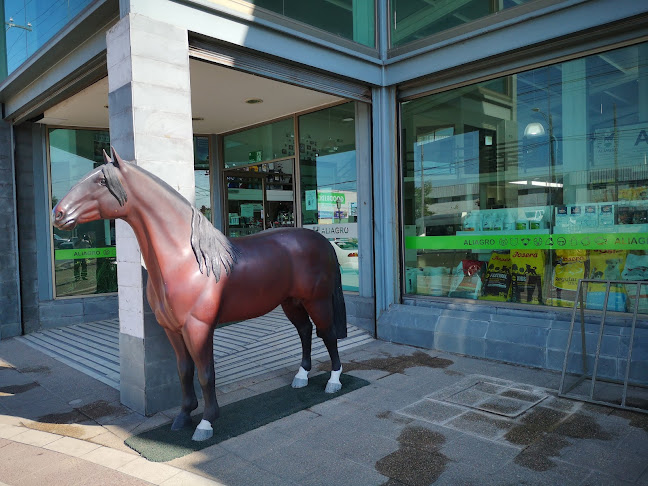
(106, 158)
(117, 160)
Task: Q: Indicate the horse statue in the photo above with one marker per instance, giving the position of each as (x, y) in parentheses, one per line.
(198, 278)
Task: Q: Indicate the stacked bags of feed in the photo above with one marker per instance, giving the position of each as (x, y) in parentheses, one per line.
(467, 279)
(570, 268)
(527, 276)
(497, 282)
(606, 265)
(636, 268)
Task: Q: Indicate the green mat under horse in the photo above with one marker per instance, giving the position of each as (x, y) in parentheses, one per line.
(162, 444)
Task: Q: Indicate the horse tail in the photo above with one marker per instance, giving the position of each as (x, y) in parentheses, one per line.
(339, 307)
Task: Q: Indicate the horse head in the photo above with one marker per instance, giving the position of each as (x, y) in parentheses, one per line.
(100, 194)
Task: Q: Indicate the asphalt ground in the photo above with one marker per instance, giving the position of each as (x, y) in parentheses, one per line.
(426, 417)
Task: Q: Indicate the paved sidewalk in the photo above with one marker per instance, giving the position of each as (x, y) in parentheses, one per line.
(426, 418)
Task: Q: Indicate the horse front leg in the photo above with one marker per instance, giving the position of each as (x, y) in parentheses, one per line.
(185, 373)
(199, 339)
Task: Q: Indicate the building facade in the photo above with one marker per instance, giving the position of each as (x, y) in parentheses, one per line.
(470, 161)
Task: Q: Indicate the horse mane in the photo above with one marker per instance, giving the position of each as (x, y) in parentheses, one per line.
(113, 183)
(210, 246)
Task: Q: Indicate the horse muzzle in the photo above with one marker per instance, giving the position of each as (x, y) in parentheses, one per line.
(61, 220)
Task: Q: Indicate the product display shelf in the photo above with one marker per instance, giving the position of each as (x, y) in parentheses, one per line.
(616, 228)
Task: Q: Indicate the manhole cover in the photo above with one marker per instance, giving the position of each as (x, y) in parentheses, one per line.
(508, 401)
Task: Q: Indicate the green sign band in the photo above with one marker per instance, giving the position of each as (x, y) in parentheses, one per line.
(108, 252)
(501, 241)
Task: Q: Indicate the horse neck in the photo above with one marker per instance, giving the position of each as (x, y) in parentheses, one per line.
(160, 220)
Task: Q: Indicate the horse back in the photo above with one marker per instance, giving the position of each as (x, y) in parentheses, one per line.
(276, 265)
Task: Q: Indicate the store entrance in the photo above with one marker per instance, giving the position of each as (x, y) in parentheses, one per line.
(260, 197)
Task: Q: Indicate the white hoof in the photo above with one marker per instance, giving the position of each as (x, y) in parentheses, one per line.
(204, 431)
(334, 385)
(301, 378)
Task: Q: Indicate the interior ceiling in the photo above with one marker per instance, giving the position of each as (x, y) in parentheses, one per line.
(218, 104)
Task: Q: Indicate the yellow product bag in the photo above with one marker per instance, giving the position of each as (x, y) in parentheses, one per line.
(636, 268)
(606, 265)
(527, 275)
(565, 283)
(497, 283)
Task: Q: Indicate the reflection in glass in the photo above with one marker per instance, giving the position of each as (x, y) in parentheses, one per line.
(201, 176)
(350, 19)
(412, 20)
(260, 197)
(267, 142)
(29, 24)
(515, 197)
(329, 183)
(84, 258)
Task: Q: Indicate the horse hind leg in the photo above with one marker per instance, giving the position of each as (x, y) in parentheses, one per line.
(321, 312)
(185, 373)
(296, 313)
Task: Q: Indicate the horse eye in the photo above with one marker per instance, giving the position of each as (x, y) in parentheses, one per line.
(102, 181)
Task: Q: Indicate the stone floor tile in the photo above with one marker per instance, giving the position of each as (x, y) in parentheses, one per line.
(71, 447)
(109, 457)
(491, 457)
(35, 438)
(484, 425)
(186, 478)
(8, 431)
(432, 411)
(154, 472)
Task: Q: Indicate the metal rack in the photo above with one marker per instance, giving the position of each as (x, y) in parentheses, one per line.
(585, 375)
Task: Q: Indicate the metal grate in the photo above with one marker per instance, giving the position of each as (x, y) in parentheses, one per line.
(578, 389)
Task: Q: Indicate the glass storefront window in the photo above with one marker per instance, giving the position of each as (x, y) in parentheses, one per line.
(85, 257)
(266, 142)
(329, 183)
(29, 25)
(350, 19)
(514, 195)
(412, 20)
(202, 176)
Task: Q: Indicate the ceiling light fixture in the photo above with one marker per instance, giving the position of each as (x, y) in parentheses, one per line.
(253, 101)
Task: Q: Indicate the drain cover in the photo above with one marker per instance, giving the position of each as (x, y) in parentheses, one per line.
(508, 401)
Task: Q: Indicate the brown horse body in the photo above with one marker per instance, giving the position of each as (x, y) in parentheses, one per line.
(198, 279)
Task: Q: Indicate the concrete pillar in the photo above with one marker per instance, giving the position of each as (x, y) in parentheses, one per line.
(385, 190)
(150, 123)
(10, 325)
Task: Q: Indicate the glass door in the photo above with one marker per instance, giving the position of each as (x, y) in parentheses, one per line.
(260, 197)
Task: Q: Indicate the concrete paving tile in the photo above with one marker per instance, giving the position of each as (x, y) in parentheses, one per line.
(104, 476)
(83, 431)
(71, 447)
(20, 460)
(151, 423)
(596, 478)
(351, 443)
(481, 424)
(299, 423)
(492, 456)
(109, 439)
(292, 463)
(234, 396)
(8, 431)
(62, 472)
(10, 378)
(623, 465)
(4, 442)
(342, 472)
(153, 472)
(432, 411)
(256, 443)
(109, 458)
(35, 438)
(369, 375)
(194, 461)
(186, 478)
